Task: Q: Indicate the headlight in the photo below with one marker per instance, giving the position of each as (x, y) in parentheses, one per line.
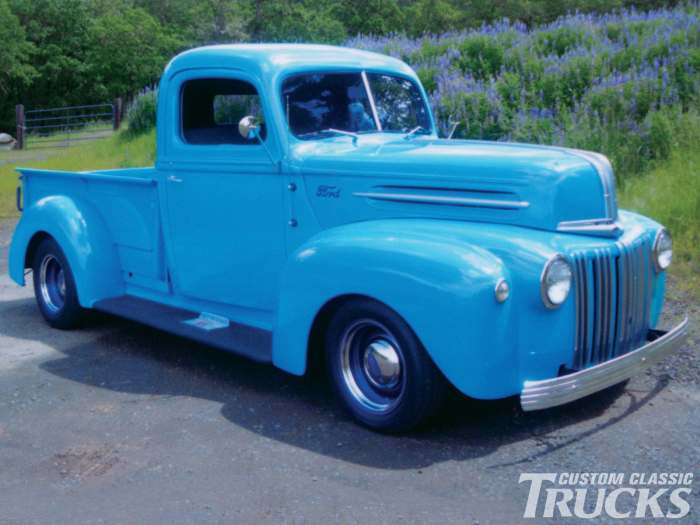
(663, 250)
(555, 281)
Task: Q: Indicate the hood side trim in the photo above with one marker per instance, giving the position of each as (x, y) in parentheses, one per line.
(595, 227)
(443, 200)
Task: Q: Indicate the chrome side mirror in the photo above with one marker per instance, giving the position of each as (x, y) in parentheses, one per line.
(248, 128)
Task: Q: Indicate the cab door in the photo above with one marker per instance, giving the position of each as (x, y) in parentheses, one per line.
(225, 208)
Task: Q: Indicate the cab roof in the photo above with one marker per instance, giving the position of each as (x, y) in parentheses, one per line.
(272, 59)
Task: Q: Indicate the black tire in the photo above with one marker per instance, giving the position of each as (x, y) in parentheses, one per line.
(363, 333)
(54, 287)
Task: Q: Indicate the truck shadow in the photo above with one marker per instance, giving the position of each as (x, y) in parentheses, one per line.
(129, 358)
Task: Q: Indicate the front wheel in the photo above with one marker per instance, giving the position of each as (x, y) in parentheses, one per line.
(379, 368)
(54, 286)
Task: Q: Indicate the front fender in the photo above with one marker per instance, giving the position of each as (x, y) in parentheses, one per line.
(79, 229)
(442, 286)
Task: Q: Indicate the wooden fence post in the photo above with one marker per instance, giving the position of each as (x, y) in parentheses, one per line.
(19, 115)
(117, 113)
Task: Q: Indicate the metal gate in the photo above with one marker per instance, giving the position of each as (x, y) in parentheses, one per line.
(65, 126)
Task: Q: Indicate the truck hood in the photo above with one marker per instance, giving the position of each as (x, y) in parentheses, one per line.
(382, 176)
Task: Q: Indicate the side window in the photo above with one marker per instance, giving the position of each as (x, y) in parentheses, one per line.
(212, 107)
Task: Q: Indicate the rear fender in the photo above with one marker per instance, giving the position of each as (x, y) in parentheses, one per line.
(80, 231)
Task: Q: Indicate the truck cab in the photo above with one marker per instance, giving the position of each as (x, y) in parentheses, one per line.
(303, 204)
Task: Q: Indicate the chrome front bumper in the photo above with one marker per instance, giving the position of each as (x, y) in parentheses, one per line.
(547, 393)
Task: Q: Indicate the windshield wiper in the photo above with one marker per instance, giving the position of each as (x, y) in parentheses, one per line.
(336, 131)
(414, 131)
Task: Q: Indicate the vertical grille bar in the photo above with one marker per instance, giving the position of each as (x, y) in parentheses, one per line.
(648, 296)
(635, 305)
(579, 345)
(613, 298)
(597, 314)
(619, 304)
(643, 294)
(610, 309)
(623, 272)
(634, 277)
(641, 284)
(603, 260)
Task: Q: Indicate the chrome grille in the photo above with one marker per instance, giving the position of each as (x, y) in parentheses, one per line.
(613, 297)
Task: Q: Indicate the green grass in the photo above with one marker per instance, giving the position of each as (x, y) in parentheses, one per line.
(118, 151)
(63, 138)
(670, 193)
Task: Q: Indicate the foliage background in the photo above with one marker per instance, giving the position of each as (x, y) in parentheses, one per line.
(58, 52)
(617, 76)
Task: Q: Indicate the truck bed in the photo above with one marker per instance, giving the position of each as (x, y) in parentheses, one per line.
(128, 202)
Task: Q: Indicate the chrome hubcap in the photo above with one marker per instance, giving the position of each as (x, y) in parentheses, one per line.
(52, 282)
(372, 365)
(381, 364)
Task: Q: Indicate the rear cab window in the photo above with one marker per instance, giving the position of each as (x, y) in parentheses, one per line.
(213, 107)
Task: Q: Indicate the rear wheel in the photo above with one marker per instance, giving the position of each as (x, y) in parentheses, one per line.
(54, 286)
(380, 370)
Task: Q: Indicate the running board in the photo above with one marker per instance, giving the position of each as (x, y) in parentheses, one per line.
(248, 341)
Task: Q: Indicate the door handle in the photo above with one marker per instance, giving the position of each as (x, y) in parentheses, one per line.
(173, 178)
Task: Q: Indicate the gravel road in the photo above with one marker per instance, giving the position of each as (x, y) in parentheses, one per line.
(119, 423)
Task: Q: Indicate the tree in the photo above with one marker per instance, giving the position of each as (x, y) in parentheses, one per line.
(432, 16)
(16, 71)
(295, 21)
(370, 17)
(200, 21)
(57, 29)
(15, 51)
(128, 49)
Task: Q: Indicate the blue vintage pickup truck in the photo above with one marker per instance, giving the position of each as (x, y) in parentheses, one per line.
(303, 206)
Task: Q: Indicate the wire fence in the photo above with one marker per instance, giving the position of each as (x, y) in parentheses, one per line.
(66, 126)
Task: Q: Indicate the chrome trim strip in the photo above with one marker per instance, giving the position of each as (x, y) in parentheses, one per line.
(607, 178)
(537, 395)
(449, 201)
(372, 104)
(596, 227)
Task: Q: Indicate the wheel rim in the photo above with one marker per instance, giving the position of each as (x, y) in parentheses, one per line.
(372, 364)
(52, 281)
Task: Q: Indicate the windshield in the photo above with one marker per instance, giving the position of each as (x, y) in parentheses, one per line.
(325, 103)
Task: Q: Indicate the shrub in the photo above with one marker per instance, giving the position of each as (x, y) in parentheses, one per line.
(142, 112)
(660, 135)
(615, 83)
(481, 56)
